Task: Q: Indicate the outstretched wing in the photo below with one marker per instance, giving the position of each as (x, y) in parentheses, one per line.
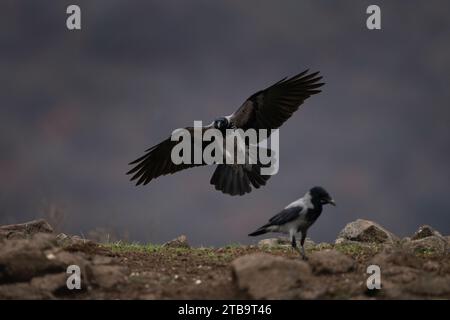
(271, 107)
(157, 161)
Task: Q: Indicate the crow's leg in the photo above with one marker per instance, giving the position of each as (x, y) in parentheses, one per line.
(302, 242)
(294, 245)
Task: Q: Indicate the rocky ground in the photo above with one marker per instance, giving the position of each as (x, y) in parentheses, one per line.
(34, 262)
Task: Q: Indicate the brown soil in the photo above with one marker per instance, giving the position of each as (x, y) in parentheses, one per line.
(205, 273)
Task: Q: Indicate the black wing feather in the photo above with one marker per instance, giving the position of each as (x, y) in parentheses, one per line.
(271, 107)
(285, 216)
(157, 162)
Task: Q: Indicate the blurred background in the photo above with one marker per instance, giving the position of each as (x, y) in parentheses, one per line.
(77, 106)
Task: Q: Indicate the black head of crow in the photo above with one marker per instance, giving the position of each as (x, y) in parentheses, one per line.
(221, 124)
(266, 109)
(298, 217)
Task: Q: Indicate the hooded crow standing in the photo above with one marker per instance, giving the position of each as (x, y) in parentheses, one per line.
(266, 109)
(298, 217)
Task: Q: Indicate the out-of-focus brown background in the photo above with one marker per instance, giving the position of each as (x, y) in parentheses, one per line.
(76, 107)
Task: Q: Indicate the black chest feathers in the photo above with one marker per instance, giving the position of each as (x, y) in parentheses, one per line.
(313, 213)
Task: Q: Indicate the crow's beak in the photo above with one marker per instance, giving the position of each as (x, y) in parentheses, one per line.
(331, 201)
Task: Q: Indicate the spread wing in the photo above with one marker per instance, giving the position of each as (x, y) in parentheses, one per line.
(157, 161)
(271, 107)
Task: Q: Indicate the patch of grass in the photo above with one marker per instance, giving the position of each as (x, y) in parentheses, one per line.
(121, 247)
(323, 246)
(233, 250)
(359, 251)
(425, 252)
(233, 245)
(170, 252)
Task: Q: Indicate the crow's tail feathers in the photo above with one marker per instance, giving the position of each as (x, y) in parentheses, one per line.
(258, 232)
(238, 179)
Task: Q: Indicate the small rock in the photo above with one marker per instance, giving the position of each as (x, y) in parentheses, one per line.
(62, 237)
(265, 276)
(323, 246)
(65, 240)
(425, 231)
(366, 231)
(74, 240)
(330, 262)
(282, 242)
(269, 243)
(50, 256)
(180, 242)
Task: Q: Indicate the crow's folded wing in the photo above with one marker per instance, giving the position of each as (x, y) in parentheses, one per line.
(285, 216)
(271, 107)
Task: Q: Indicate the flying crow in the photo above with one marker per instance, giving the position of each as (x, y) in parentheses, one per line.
(298, 217)
(266, 109)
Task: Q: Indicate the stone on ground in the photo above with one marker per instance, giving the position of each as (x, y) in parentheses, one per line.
(366, 231)
(264, 276)
(330, 262)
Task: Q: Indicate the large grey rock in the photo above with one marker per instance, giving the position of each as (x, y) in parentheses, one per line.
(330, 262)
(425, 231)
(366, 231)
(428, 245)
(264, 276)
(22, 259)
(34, 264)
(24, 230)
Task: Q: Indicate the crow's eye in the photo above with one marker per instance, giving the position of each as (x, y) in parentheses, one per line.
(221, 124)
